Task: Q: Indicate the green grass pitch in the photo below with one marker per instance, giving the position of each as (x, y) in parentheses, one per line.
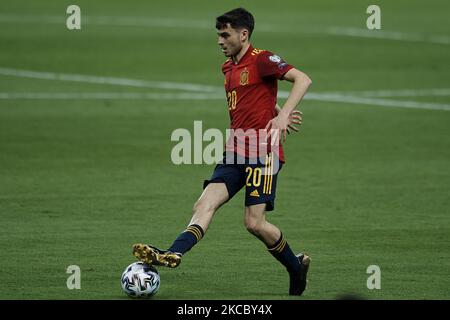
(82, 179)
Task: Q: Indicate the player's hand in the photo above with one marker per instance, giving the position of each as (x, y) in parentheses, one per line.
(294, 118)
(277, 127)
(283, 124)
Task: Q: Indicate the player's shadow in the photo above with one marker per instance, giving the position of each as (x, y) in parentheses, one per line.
(349, 296)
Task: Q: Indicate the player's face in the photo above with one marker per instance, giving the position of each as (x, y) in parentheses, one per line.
(230, 40)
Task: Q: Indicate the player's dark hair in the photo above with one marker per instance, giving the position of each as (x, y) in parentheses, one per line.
(237, 18)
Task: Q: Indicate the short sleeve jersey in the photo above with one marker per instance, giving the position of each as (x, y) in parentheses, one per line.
(251, 89)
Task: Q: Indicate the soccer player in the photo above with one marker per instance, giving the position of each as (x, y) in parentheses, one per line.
(251, 77)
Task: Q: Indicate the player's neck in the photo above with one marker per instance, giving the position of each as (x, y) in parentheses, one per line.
(241, 53)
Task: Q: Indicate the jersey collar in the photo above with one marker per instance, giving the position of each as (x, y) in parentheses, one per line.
(245, 56)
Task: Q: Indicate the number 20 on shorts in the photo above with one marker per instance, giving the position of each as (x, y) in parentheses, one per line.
(256, 174)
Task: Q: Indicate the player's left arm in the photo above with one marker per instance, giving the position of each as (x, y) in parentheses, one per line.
(301, 83)
(294, 118)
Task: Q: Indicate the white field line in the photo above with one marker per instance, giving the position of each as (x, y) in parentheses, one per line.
(106, 80)
(400, 93)
(110, 21)
(212, 96)
(354, 98)
(206, 24)
(214, 91)
(377, 101)
(388, 35)
(109, 96)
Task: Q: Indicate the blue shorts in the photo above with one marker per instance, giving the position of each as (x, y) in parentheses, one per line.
(259, 176)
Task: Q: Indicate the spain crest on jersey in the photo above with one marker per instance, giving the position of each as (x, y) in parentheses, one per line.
(244, 77)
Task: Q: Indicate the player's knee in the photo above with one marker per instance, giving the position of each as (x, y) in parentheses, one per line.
(253, 225)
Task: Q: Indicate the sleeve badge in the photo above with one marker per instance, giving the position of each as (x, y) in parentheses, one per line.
(274, 58)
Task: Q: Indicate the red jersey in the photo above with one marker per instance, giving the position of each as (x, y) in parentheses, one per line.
(251, 88)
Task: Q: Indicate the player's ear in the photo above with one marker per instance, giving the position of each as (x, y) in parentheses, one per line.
(244, 35)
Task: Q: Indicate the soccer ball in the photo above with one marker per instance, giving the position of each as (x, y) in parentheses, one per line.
(140, 280)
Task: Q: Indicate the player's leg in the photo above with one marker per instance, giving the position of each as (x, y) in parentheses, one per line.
(214, 195)
(261, 182)
(256, 224)
(226, 181)
(296, 265)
